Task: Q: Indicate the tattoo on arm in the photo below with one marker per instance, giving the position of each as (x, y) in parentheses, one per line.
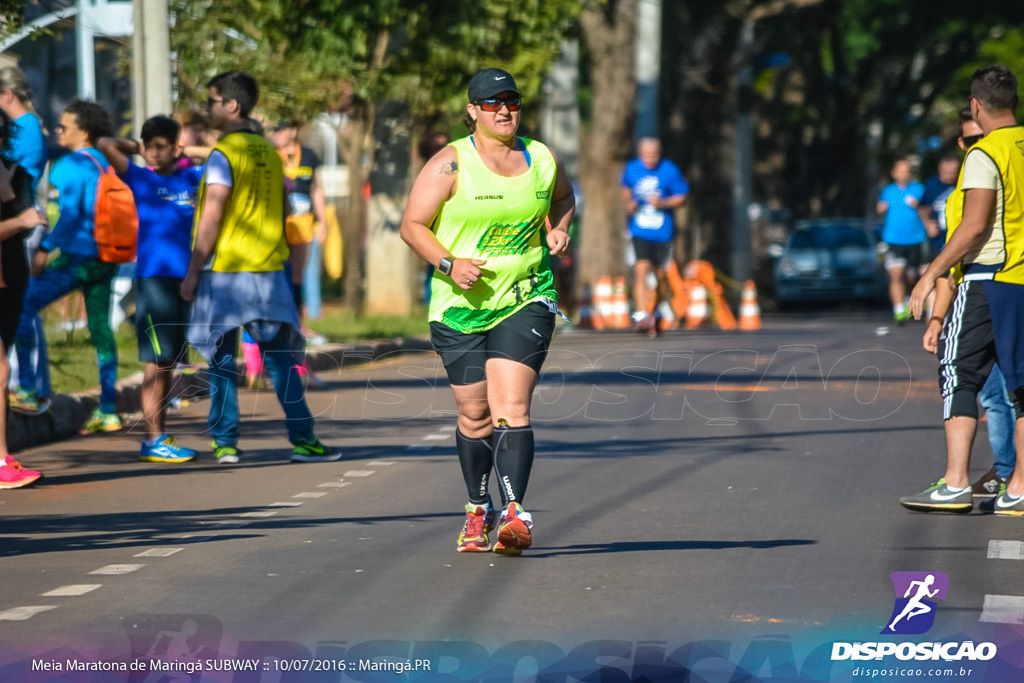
(450, 168)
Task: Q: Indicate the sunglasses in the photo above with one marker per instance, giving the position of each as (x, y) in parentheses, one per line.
(971, 140)
(493, 104)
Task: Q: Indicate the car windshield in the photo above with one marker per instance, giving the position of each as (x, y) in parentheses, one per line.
(829, 237)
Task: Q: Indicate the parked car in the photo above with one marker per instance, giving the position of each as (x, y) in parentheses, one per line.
(835, 258)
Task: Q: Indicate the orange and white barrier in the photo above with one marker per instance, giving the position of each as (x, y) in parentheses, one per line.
(750, 312)
(620, 319)
(589, 320)
(602, 303)
(697, 312)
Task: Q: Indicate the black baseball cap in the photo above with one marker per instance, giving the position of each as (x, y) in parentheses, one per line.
(490, 82)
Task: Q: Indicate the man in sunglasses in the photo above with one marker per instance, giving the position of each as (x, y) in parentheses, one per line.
(988, 249)
(953, 362)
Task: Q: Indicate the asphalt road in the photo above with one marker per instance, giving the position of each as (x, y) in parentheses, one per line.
(711, 502)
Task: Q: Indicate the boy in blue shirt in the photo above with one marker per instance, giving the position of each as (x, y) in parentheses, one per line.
(165, 199)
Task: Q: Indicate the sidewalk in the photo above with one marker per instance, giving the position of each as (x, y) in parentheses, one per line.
(69, 412)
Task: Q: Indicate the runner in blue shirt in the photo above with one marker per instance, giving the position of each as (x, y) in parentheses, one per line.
(165, 198)
(904, 234)
(652, 188)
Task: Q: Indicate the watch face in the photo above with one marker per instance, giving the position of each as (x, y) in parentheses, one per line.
(445, 266)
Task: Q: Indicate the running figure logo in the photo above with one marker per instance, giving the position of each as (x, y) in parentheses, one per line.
(914, 609)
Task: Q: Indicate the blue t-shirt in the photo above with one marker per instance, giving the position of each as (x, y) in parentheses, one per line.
(902, 224)
(28, 146)
(73, 178)
(166, 206)
(665, 180)
(935, 195)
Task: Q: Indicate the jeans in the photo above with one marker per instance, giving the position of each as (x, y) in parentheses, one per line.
(1001, 421)
(311, 281)
(280, 362)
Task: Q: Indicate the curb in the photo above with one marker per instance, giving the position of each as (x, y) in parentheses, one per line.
(69, 411)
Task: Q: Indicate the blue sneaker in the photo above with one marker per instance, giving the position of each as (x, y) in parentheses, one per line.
(166, 449)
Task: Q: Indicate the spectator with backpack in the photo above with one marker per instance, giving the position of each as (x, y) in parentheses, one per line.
(69, 260)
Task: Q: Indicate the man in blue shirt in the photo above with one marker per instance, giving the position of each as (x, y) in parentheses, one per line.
(652, 188)
(904, 233)
(165, 199)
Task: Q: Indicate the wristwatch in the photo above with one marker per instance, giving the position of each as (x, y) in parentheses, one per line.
(444, 266)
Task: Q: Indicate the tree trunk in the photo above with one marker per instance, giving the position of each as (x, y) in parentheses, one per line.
(609, 33)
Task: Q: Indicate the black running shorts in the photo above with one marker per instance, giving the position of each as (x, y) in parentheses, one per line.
(161, 319)
(523, 337)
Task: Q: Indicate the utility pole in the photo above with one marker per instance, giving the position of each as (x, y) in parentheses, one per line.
(560, 117)
(648, 67)
(151, 73)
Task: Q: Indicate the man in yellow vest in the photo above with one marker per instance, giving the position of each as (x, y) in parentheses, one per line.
(989, 246)
(236, 274)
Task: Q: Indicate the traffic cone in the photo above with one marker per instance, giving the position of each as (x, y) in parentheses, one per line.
(587, 313)
(697, 312)
(750, 312)
(603, 303)
(720, 312)
(620, 319)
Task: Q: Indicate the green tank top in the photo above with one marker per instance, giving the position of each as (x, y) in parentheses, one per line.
(251, 235)
(500, 219)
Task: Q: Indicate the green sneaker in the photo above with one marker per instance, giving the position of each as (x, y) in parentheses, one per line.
(226, 455)
(27, 402)
(311, 450)
(100, 421)
(939, 497)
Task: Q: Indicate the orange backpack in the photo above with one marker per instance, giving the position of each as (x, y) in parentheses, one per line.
(117, 220)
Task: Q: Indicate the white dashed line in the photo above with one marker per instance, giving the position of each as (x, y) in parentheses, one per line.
(159, 552)
(448, 428)
(333, 484)
(1003, 609)
(228, 525)
(381, 463)
(196, 539)
(112, 569)
(71, 590)
(23, 613)
(436, 437)
(1005, 550)
(358, 473)
(261, 513)
(289, 504)
(310, 494)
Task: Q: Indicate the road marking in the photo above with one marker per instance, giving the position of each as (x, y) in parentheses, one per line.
(227, 525)
(112, 569)
(310, 494)
(436, 437)
(196, 538)
(448, 428)
(333, 484)
(381, 463)
(1005, 550)
(261, 513)
(289, 504)
(70, 590)
(23, 613)
(358, 473)
(159, 552)
(1003, 609)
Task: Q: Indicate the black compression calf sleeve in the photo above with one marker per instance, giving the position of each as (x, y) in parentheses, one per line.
(513, 460)
(476, 459)
(297, 295)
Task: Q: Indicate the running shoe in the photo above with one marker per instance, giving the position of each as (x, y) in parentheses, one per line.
(902, 317)
(1006, 504)
(14, 476)
(100, 421)
(988, 485)
(479, 522)
(166, 449)
(987, 506)
(312, 450)
(27, 402)
(514, 531)
(939, 497)
(226, 455)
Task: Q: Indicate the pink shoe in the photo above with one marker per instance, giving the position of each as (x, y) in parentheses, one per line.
(14, 476)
